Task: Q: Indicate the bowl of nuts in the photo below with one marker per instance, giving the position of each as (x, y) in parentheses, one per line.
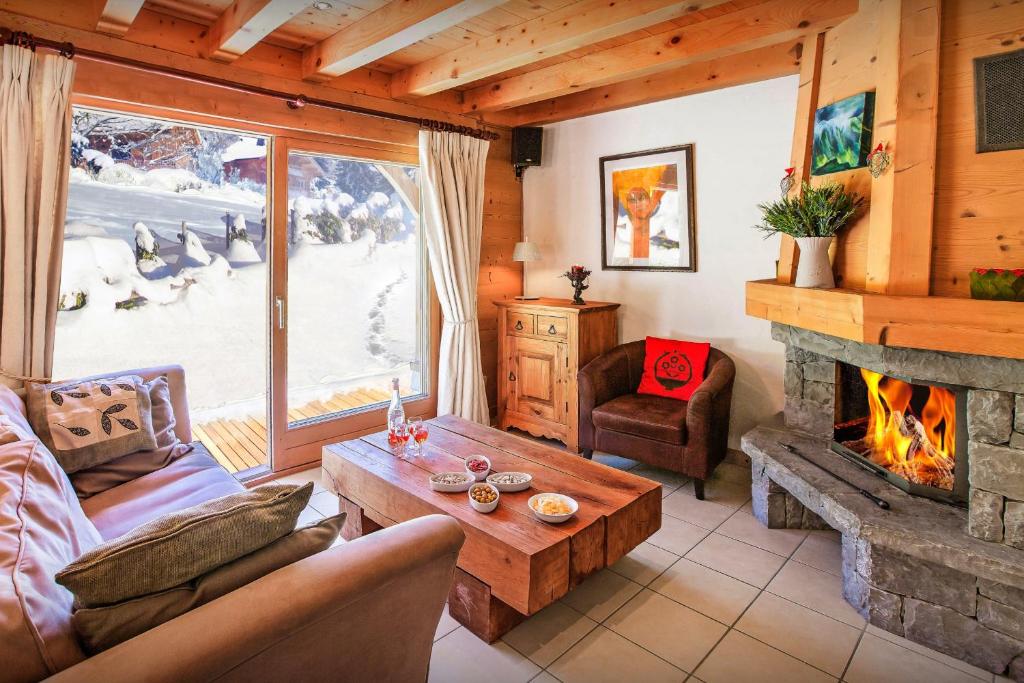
(478, 466)
(451, 482)
(483, 497)
(510, 482)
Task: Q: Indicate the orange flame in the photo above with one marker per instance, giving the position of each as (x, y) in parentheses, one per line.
(919, 449)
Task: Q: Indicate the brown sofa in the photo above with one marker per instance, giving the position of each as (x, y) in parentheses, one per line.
(689, 437)
(340, 615)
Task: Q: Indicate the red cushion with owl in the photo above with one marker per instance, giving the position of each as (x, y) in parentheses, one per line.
(673, 368)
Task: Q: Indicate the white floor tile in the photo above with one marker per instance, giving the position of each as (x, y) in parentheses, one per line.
(461, 657)
(723, 492)
(601, 594)
(877, 659)
(704, 513)
(325, 502)
(547, 635)
(709, 592)
(669, 480)
(313, 474)
(675, 633)
(544, 677)
(809, 636)
(730, 472)
(822, 550)
(677, 536)
(446, 625)
(644, 563)
(606, 657)
(940, 657)
(737, 559)
(743, 526)
(741, 659)
(816, 590)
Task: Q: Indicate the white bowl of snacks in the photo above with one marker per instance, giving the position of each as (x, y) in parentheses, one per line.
(478, 466)
(510, 482)
(553, 507)
(483, 497)
(451, 482)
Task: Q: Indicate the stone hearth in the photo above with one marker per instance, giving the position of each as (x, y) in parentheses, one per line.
(949, 578)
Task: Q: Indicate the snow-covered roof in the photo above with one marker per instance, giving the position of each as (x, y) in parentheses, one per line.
(246, 148)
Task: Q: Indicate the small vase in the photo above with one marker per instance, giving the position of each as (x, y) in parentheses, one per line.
(814, 269)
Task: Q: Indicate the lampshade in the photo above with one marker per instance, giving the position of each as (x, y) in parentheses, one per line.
(526, 251)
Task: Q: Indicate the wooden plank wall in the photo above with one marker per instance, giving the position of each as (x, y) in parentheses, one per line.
(500, 276)
(977, 220)
(979, 206)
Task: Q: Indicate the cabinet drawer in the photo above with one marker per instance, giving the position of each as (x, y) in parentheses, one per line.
(521, 323)
(552, 326)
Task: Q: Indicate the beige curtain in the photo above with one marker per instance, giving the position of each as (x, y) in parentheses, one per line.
(452, 168)
(35, 130)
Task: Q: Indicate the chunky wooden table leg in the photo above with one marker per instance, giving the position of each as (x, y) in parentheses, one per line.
(471, 604)
(356, 522)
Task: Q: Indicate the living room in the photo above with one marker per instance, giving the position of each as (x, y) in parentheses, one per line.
(560, 340)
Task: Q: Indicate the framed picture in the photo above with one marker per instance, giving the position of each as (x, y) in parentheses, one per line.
(647, 211)
(842, 134)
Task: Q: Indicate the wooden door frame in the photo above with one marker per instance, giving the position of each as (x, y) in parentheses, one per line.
(294, 447)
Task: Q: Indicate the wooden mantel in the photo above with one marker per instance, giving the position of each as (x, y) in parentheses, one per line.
(989, 328)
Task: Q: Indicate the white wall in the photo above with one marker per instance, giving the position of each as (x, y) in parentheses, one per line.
(742, 138)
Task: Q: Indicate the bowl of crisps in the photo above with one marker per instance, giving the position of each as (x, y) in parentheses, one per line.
(553, 508)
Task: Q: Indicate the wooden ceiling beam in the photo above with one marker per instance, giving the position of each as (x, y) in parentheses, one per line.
(574, 26)
(741, 31)
(116, 16)
(394, 26)
(773, 61)
(247, 22)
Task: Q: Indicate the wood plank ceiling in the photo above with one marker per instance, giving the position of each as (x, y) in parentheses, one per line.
(512, 62)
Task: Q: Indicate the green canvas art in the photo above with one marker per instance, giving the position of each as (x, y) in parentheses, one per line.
(842, 134)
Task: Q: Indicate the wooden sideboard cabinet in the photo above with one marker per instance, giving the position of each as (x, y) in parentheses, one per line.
(542, 344)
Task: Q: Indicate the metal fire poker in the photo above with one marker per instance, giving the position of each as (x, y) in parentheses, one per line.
(880, 502)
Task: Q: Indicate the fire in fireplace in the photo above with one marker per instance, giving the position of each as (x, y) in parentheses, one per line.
(904, 431)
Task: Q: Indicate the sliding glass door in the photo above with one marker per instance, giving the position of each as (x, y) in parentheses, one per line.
(166, 262)
(287, 276)
(351, 293)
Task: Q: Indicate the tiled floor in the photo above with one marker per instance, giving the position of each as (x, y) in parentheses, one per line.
(713, 596)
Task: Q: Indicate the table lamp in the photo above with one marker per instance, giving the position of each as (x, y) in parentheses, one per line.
(525, 252)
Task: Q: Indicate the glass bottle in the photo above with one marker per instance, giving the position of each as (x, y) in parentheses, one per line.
(396, 414)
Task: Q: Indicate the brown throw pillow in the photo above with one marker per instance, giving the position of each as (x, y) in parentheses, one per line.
(129, 467)
(91, 422)
(101, 628)
(182, 545)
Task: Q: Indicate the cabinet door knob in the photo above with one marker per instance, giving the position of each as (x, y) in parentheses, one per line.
(551, 330)
(511, 376)
(519, 324)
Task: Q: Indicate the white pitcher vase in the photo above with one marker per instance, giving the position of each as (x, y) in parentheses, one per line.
(814, 269)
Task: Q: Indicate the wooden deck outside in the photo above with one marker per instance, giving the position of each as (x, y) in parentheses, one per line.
(241, 443)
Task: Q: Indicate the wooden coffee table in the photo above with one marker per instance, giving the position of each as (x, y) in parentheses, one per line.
(512, 564)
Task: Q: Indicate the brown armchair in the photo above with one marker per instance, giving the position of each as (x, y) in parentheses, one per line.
(689, 437)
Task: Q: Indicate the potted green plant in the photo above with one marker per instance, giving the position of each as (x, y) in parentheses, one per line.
(812, 218)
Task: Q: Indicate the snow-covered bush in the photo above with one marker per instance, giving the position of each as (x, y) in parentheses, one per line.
(328, 227)
(120, 174)
(173, 180)
(146, 247)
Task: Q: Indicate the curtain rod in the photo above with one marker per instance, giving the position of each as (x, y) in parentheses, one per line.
(292, 100)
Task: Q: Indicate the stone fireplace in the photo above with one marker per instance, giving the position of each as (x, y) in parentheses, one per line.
(940, 437)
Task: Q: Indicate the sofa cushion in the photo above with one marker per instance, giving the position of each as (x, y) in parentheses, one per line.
(651, 417)
(126, 468)
(100, 628)
(87, 423)
(192, 479)
(182, 545)
(42, 528)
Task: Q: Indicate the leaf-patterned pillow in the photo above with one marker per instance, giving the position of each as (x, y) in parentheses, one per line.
(88, 423)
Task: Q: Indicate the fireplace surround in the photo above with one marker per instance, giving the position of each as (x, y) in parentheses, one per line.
(950, 577)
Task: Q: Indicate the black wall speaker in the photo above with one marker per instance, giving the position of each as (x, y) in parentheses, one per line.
(999, 101)
(526, 146)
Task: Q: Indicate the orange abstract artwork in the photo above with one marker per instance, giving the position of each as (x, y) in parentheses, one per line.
(647, 211)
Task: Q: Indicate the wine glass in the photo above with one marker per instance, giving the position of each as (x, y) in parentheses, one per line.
(418, 432)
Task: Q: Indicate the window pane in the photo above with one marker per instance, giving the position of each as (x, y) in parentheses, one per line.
(356, 296)
(165, 262)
